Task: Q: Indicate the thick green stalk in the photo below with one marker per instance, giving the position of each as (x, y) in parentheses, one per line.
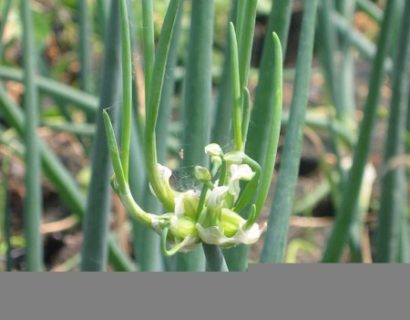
(58, 175)
(4, 15)
(102, 9)
(197, 103)
(346, 89)
(84, 101)
(33, 197)
(345, 213)
(85, 46)
(154, 99)
(259, 126)
(96, 220)
(215, 260)
(148, 42)
(391, 204)
(277, 232)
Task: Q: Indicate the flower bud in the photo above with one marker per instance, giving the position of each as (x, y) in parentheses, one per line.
(213, 150)
(202, 174)
(186, 204)
(182, 227)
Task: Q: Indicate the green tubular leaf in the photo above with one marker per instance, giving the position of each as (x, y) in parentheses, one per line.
(345, 213)
(276, 235)
(264, 95)
(223, 109)
(148, 42)
(96, 219)
(392, 204)
(346, 74)
(274, 130)
(240, 15)
(126, 114)
(236, 89)
(327, 34)
(154, 97)
(63, 182)
(245, 32)
(102, 9)
(114, 153)
(33, 197)
(84, 101)
(84, 46)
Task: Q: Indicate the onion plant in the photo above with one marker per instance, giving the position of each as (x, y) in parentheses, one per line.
(209, 214)
(166, 106)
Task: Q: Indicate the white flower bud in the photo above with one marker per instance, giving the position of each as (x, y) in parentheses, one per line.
(213, 150)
